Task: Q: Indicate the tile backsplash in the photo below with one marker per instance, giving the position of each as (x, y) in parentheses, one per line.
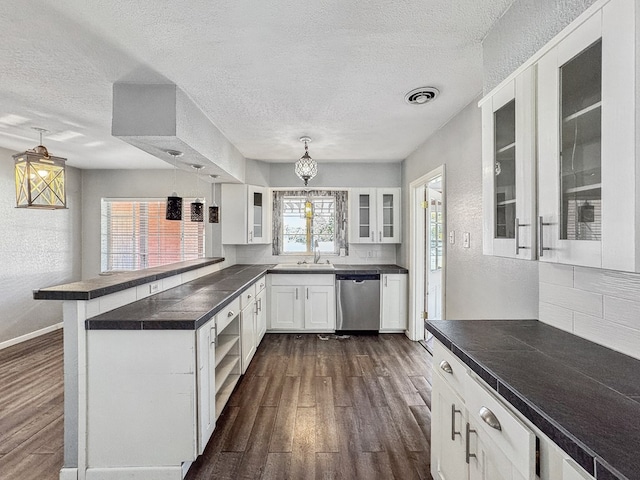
(600, 305)
(358, 254)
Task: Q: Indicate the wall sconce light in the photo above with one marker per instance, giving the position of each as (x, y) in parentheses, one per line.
(214, 210)
(40, 178)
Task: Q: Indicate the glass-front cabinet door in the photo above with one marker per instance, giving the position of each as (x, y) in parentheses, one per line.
(508, 169)
(587, 167)
(362, 214)
(257, 214)
(374, 215)
(388, 215)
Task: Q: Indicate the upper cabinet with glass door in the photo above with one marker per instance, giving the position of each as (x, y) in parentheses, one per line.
(245, 214)
(587, 184)
(374, 215)
(508, 169)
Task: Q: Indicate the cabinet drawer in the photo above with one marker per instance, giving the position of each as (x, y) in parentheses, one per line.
(443, 361)
(228, 313)
(297, 279)
(511, 436)
(247, 297)
(260, 284)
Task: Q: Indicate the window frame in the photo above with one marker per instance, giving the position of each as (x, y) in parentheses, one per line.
(144, 257)
(310, 235)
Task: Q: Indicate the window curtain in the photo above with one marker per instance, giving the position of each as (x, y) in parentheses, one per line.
(341, 201)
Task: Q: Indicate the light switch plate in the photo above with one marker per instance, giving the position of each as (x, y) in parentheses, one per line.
(452, 237)
(154, 287)
(467, 239)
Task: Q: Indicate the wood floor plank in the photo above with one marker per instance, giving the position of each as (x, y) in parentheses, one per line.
(255, 456)
(424, 388)
(326, 428)
(277, 467)
(303, 455)
(283, 430)
(422, 414)
(244, 423)
(307, 395)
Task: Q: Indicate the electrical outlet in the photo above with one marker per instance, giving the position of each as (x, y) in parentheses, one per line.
(467, 239)
(371, 254)
(154, 288)
(452, 237)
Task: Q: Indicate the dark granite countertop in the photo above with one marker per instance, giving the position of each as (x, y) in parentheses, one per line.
(342, 269)
(584, 397)
(186, 307)
(118, 281)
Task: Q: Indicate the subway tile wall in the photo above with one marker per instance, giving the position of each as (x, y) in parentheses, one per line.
(600, 305)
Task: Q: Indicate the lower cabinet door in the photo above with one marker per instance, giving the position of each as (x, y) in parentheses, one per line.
(448, 422)
(248, 334)
(206, 384)
(486, 461)
(286, 308)
(319, 307)
(261, 318)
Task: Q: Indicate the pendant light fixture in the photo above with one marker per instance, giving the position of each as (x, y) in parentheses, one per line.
(174, 202)
(197, 206)
(214, 210)
(306, 168)
(40, 178)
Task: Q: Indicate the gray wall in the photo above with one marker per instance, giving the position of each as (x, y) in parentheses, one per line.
(97, 184)
(477, 286)
(39, 248)
(525, 28)
(339, 175)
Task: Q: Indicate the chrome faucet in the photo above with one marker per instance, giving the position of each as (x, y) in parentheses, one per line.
(316, 252)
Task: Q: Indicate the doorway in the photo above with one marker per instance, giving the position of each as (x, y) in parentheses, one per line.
(427, 253)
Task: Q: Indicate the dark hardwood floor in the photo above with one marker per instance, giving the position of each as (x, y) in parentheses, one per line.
(353, 408)
(31, 408)
(307, 408)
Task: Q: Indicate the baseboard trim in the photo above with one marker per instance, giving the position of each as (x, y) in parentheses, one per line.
(29, 336)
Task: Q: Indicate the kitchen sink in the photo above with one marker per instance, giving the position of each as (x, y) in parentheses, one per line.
(304, 266)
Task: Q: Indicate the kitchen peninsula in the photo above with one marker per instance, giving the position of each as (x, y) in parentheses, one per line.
(151, 358)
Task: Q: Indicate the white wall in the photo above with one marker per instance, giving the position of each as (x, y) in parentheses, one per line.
(38, 248)
(97, 184)
(477, 286)
(526, 27)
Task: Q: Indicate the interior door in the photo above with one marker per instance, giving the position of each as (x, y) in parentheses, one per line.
(435, 245)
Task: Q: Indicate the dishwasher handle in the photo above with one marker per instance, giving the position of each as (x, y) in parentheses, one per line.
(357, 277)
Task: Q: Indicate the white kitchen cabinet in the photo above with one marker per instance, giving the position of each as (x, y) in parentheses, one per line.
(588, 164)
(473, 434)
(374, 215)
(248, 334)
(228, 353)
(302, 302)
(508, 169)
(393, 300)
(245, 214)
(261, 318)
(206, 383)
(572, 471)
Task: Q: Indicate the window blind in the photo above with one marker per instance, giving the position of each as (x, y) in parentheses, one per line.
(136, 235)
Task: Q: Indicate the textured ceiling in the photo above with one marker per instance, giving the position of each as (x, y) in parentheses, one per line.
(264, 73)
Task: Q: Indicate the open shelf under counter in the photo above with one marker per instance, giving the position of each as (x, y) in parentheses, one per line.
(225, 391)
(226, 342)
(226, 369)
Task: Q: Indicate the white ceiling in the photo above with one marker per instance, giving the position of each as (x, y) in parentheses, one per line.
(265, 73)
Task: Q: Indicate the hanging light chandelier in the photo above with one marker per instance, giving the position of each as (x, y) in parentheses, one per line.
(214, 210)
(174, 202)
(40, 178)
(197, 206)
(306, 168)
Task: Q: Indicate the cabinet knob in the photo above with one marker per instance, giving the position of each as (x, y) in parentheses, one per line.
(230, 314)
(444, 365)
(249, 295)
(489, 418)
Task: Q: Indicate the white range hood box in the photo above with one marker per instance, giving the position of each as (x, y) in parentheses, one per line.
(156, 118)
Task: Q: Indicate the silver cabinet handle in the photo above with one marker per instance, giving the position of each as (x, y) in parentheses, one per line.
(385, 280)
(259, 304)
(372, 235)
(380, 236)
(541, 246)
(489, 418)
(296, 293)
(215, 336)
(444, 365)
(454, 410)
(307, 293)
(517, 235)
(230, 314)
(468, 453)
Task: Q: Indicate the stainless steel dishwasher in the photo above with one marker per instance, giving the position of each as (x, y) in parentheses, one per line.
(358, 303)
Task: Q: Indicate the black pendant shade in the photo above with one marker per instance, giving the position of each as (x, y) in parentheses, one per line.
(214, 214)
(197, 211)
(174, 208)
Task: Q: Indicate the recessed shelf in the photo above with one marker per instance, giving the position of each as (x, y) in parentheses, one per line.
(225, 344)
(225, 370)
(225, 392)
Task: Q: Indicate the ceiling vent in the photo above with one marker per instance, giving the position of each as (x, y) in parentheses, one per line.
(422, 95)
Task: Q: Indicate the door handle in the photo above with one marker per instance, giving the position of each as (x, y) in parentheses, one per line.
(372, 235)
(385, 280)
(489, 418)
(454, 410)
(445, 366)
(307, 293)
(468, 453)
(541, 246)
(296, 293)
(517, 235)
(380, 236)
